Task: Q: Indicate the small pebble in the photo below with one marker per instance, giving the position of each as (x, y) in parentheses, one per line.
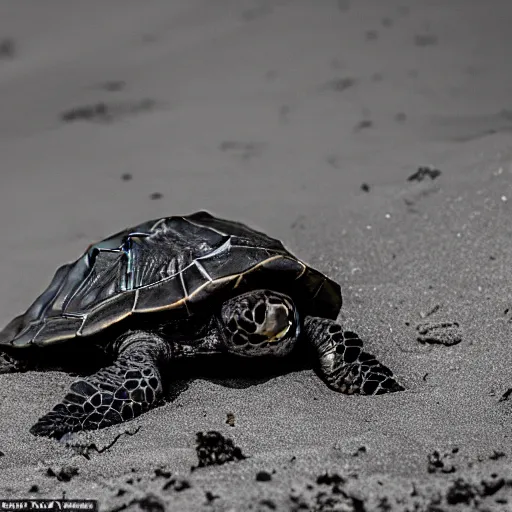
(230, 419)
(263, 476)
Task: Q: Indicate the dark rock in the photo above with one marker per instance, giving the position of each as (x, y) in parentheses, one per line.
(497, 455)
(424, 172)
(214, 449)
(177, 484)
(329, 479)
(506, 395)
(230, 419)
(490, 487)
(438, 463)
(211, 497)
(269, 504)
(359, 451)
(150, 503)
(460, 492)
(162, 473)
(263, 476)
(65, 474)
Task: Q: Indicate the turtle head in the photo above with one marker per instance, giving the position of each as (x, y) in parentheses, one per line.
(261, 322)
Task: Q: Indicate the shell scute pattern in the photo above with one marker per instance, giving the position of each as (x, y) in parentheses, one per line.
(173, 263)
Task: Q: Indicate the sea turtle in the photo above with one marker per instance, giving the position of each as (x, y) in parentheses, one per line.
(177, 287)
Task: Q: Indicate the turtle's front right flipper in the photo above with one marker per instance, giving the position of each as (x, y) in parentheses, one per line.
(131, 386)
(343, 364)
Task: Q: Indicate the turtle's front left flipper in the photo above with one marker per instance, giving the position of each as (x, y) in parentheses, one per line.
(132, 385)
(342, 362)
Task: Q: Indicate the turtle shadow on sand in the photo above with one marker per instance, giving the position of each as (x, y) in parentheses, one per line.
(139, 310)
(232, 372)
(221, 369)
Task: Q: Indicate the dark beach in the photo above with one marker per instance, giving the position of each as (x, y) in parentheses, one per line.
(308, 120)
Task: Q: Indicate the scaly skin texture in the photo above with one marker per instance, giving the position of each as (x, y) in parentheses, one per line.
(343, 364)
(133, 383)
(131, 386)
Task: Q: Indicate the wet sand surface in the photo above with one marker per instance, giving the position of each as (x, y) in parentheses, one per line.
(304, 119)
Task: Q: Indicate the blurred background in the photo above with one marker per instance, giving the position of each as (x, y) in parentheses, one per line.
(271, 112)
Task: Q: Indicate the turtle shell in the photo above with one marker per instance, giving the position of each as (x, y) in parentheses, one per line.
(173, 265)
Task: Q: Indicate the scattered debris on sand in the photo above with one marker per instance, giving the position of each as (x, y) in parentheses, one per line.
(103, 112)
(150, 503)
(340, 84)
(65, 474)
(363, 125)
(441, 463)
(360, 451)
(7, 48)
(263, 476)
(214, 449)
(431, 311)
(177, 484)
(268, 504)
(230, 420)
(113, 85)
(330, 479)
(442, 333)
(211, 497)
(424, 172)
(161, 472)
(496, 455)
(86, 449)
(506, 395)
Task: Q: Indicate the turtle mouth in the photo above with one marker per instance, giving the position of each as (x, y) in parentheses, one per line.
(276, 337)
